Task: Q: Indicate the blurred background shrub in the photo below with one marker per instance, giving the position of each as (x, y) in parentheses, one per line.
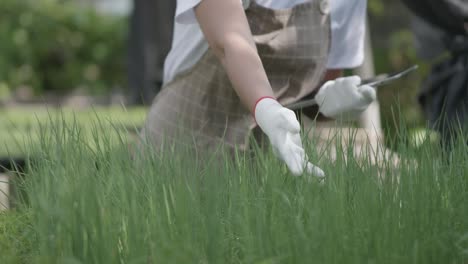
(59, 46)
(394, 49)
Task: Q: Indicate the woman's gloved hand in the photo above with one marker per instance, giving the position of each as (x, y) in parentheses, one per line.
(344, 98)
(283, 130)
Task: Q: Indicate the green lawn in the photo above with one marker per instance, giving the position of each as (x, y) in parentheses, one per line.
(21, 125)
(88, 202)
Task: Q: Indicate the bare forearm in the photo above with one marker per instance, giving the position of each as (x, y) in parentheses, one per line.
(246, 73)
(226, 28)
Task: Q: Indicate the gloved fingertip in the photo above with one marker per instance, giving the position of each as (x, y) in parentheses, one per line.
(340, 79)
(354, 80)
(328, 83)
(294, 164)
(368, 92)
(315, 171)
(296, 170)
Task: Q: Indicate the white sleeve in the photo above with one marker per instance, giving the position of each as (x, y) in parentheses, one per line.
(348, 28)
(184, 11)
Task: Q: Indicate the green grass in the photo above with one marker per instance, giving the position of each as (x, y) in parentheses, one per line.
(17, 237)
(89, 202)
(22, 125)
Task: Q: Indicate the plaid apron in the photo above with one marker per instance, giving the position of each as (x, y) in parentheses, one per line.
(200, 109)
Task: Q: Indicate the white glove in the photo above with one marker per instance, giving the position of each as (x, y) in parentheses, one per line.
(344, 99)
(283, 130)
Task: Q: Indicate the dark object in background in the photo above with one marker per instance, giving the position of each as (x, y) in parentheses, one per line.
(444, 94)
(150, 38)
(448, 15)
(429, 39)
(12, 164)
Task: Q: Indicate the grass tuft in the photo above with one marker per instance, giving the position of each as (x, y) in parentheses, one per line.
(91, 202)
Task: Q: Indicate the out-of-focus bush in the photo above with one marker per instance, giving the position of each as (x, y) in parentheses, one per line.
(394, 50)
(52, 45)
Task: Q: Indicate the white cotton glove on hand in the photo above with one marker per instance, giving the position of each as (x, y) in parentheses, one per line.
(283, 130)
(344, 99)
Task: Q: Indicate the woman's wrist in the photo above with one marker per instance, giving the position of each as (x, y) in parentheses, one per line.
(260, 100)
(265, 107)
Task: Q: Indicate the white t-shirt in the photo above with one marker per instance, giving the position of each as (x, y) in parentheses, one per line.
(347, 40)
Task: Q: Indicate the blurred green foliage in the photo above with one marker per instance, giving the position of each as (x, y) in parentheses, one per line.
(59, 46)
(376, 7)
(394, 49)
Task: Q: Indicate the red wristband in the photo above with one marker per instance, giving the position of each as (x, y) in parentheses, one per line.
(258, 101)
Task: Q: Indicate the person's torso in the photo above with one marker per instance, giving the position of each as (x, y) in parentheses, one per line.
(189, 44)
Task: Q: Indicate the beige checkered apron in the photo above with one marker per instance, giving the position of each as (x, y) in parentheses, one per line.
(200, 108)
